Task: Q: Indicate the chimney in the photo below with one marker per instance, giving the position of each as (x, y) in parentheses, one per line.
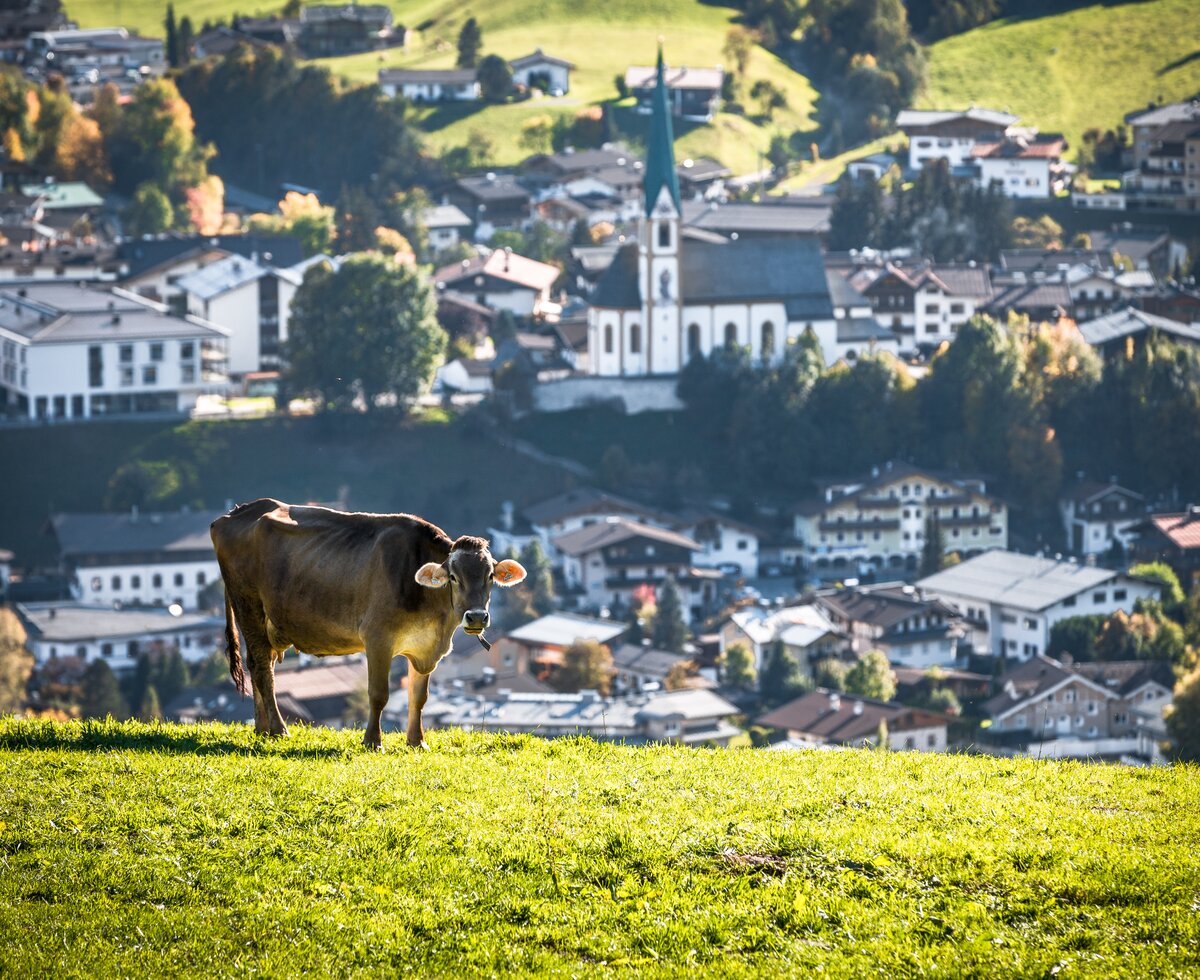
(858, 707)
(835, 701)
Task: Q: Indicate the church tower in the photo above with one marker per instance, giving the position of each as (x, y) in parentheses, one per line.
(658, 240)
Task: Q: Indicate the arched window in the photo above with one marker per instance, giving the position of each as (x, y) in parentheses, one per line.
(768, 340)
(730, 335)
(608, 338)
(635, 339)
(664, 234)
(693, 340)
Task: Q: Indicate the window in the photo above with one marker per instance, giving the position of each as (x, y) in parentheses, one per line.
(156, 351)
(1118, 595)
(1098, 597)
(1070, 696)
(187, 350)
(1092, 707)
(1068, 602)
(693, 340)
(97, 585)
(126, 377)
(95, 367)
(179, 578)
(149, 374)
(742, 544)
(116, 583)
(608, 347)
(1018, 721)
(956, 308)
(1030, 624)
(135, 581)
(201, 578)
(187, 374)
(931, 309)
(81, 652)
(156, 581)
(1120, 718)
(730, 335)
(635, 339)
(664, 234)
(931, 740)
(106, 649)
(910, 742)
(126, 353)
(768, 340)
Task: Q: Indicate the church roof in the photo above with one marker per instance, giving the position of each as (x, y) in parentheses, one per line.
(660, 158)
(617, 288)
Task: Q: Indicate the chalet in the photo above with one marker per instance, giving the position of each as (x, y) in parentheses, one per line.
(1119, 334)
(503, 281)
(330, 30)
(139, 256)
(542, 71)
(702, 177)
(1150, 249)
(950, 135)
(148, 559)
(1046, 302)
(925, 304)
(1030, 263)
(553, 172)
(537, 648)
(912, 629)
(693, 93)
(638, 667)
(465, 375)
(159, 282)
(1174, 539)
(1174, 301)
(446, 225)
(824, 717)
(491, 201)
(1166, 157)
(430, 84)
(805, 630)
(1096, 293)
(1023, 166)
(607, 562)
(881, 519)
(724, 542)
(116, 635)
(1016, 599)
(95, 47)
(76, 352)
(1100, 517)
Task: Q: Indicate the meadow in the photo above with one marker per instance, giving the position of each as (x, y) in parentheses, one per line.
(154, 850)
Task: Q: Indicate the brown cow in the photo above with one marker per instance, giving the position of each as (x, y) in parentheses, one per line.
(331, 583)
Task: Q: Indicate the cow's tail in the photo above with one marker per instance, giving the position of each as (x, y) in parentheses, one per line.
(233, 648)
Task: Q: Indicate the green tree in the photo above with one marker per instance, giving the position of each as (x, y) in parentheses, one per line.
(782, 678)
(187, 35)
(142, 483)
(369, 329)
(1043, 232)
(156, 142)
(300, 216)
(680, 675)
(830, 673)
(495, 78)
(942, 699)
(16, 664)
(872, 677)
(737, 667)
(539, 578)
(670, 631)
(587, 665)
(150, 708)
(1075, 636)
(933, 549)
(172, 44)
(470, 41)
(1162, 574)
(101, 693)
(213, 669)
(171, 674)
(1183, 718)
(736, 50)
(150, 211)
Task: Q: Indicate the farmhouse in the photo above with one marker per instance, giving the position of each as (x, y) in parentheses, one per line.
(1023, 166)
(1099, 517)
(950, 135)
(116, 636)
(491, 201)
(503, 280)
(537, 648)
(151, 559)
(446, 225)
(1017, 599)
(922, 304)
(79, 352)
(327, 30)
(1174, 539)
(880, 519)
(691, 93)
(638, 667)
(805, 630)
(828, 718)
(1119, 334)
(540, 70)
(430, 84)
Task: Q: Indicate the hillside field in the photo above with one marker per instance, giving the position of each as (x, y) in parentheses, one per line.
(1071, 71)
(135, 850)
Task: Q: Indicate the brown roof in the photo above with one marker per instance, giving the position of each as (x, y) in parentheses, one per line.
(501, 264)
(1183, 530)
(617, 529)
(1045, 147)
(842, 718)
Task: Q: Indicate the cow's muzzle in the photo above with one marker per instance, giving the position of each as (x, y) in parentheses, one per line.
(475, 621)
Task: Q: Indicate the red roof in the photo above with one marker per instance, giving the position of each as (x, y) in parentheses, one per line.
(1043, 148)
(1183, 530)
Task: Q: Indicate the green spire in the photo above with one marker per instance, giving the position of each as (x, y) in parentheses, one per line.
(660, 155)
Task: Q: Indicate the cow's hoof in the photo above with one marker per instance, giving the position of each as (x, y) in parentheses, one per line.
(373, 745)
(421, 746)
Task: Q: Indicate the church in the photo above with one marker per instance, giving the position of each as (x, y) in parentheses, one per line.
(677, 292)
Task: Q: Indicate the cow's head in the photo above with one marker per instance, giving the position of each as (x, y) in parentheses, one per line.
(469, 572)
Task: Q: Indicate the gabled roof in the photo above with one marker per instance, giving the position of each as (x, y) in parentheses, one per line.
(1032, 296)
(125, 533)
(859, 329)
(614, 530)
(445, 216)
(1127, 322)
(1019, 581)
(588, 500)
(645, 660)
(883, 606)
(427, 76)
(931, 117)
(492, 187)
(751, 218)
(955, 280)
(844, 718)
(617, 287)
(141, 254)
(841, 292)
(1182, 530)
(222, 276)
(1161, 115)
(767, 625)
(1046, 146)
(537, 58)
(563, 629)
(74, 622)
(1088, 491)
(500, 264)
(65, 194)
(786, 268)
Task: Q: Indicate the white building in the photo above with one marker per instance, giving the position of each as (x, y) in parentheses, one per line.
(1023, 166)
(676, 293)
(1097, 516)
(805, 630)
(503, 280)
(117, 636)
(147, 559)
(1018, 598)
(725, 543)
(950, 135)
(160, 282)
(543, 71)
(430, 84)
(445, 225)
(76, 352)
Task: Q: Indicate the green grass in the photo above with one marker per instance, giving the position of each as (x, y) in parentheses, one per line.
(131, 850)
(1075, 70)
(442, 470)
(602, 40)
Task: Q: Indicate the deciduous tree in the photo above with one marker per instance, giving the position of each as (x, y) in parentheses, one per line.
(16, 664)
(587, 665)
(737, 667)
(101, 693)
(872, 677)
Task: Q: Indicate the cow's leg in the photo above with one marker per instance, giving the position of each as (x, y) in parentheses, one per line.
(267, 719)
(418, 693)
(379, 669)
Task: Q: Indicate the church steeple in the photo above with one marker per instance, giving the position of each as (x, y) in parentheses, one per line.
(660, 149)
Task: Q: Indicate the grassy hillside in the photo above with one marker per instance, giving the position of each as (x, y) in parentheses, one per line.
(1074, 70)
(130, 850)
(441, 470)
(602, 40)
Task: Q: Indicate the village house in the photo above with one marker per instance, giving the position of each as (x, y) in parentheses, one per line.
(950, 135)
(1101, 517)
(503, 280)
(492, 201)
(464, 376)
(445, 225)
(553, 174)
(80, 352)
(1118, 335)
(1166, 157)
(1023, 166)
(702, 178)
(1174, 539)
(116, 636)
(912, 629)
(431, 84)
(1098, 292)
(159, 281)
(333, 29)
(805, 630)
(1049, 709)
(94, 47)
(137, 558)
(880, 519)
(638, 667)
(922, 304)
(1041, 301)
(725, 543)
(608, 562)
(542, 71)
(692, 93)
(691, 717)
(824, 717)
(537, 647)
(1016, 599)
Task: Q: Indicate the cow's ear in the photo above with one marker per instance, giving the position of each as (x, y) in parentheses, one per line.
(509, 573)
(432, 575)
